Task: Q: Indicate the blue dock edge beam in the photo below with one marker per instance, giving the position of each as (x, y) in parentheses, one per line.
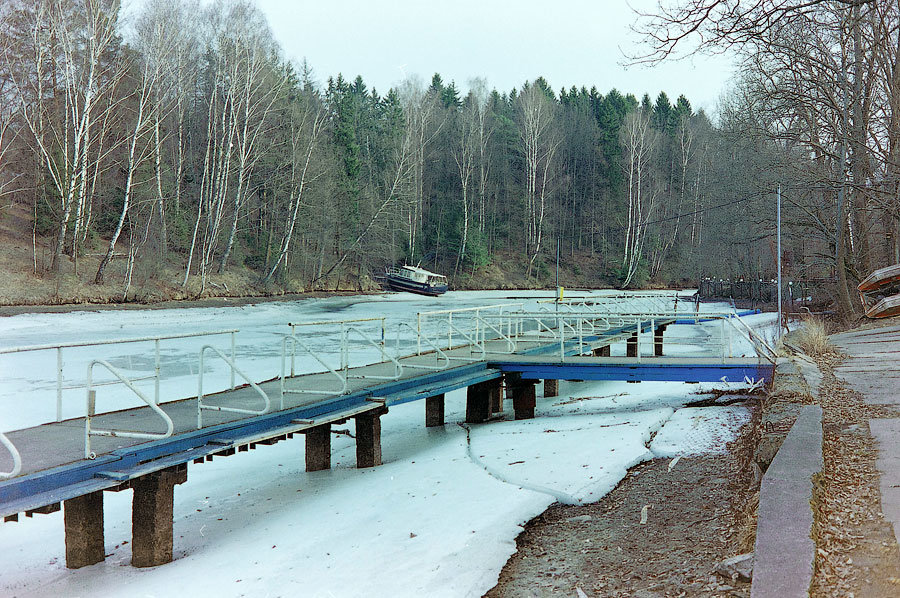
(638, 372)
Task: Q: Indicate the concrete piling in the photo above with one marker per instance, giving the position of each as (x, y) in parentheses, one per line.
(478, 403)
(83, 520)
(151, 516)
(658, 340)
(318, 447)
(631, 346)
(523, 399)
(368, 438)
(434, 411)
(551, 388)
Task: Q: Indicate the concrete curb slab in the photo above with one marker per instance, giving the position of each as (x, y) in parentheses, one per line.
(785, 551)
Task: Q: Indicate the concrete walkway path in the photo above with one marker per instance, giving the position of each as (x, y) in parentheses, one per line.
(872, 368)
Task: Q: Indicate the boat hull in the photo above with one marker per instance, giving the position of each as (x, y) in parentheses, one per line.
(880, 278)
(885, 308)
(879, 292)
(394, 284)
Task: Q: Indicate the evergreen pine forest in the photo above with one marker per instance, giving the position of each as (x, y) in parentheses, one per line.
(155, 147)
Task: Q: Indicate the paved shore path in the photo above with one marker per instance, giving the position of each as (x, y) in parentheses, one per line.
(872, 368)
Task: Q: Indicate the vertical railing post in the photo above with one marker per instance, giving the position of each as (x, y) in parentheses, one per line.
(59, 383)
(89, 411)
(293, 351)
(382, 340)
(637, 339)
(345, 351)
(730, 337)
(562, 341)
(156, 369)
(580, 335)
(722, 326)
(418, 334)
(283, 357)
(479, 328)
(450, 330)
(200, 393)
(233, 360)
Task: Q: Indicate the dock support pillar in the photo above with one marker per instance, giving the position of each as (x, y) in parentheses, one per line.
(478, 402)
(151, 516)
(658, 340)
(523, 398)
(551, 388)
(496, 391)
(318, 447)
(604, 351)
(631, 345)
(434, 411)
(83, 519)
(368, 438)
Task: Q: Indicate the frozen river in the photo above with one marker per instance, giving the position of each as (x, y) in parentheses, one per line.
(439, 518)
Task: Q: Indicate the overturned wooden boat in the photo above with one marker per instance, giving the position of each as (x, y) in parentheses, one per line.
(885, 308)
(415, 280)
(879, 292)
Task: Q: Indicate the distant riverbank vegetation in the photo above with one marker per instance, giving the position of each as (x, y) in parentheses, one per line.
(182, 144)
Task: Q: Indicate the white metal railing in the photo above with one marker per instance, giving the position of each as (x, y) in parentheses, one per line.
(561, 328)
(422, 317)
(92, 406)
(763, 348)
(569, 328)
(345, 345)
(472, 337)
(486, 325)
(238, 371)
(16, 457)
(438, 352)
(615, 303)
(156, 340)
(296, 342)
(344, 339)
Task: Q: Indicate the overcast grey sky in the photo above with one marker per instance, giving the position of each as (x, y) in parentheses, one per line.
(507, 42)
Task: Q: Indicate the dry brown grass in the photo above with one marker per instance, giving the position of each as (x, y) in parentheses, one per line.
(813, 337)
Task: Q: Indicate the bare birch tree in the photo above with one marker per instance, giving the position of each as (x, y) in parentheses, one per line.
(480, 96)
(539, 144)
(638, 141)
(399, 184)
(150, 61)
(307, 124)
(8, 133)
(465, 154)
(257, 87)
(420, 109)
(68, 49)
(243, 91)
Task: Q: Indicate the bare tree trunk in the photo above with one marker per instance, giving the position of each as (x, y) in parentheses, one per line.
(318, 121)
(160, 200)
